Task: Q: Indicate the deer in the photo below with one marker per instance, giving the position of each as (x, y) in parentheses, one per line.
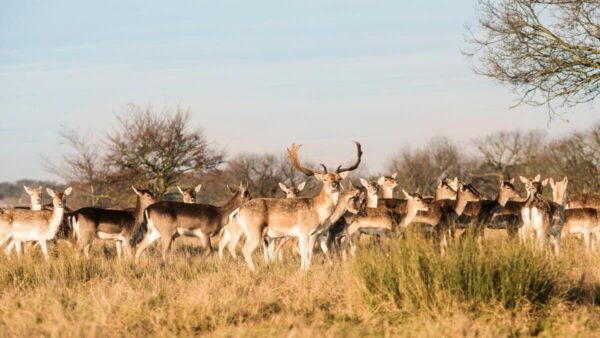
(584, 221)
(387, 185)
(232, 231)
(35, 195)
(443, 212)
(293, 191)
(90, 223)
(41, 226)
(302, 218)
(189, 195)
(165, 219)
(540, 215)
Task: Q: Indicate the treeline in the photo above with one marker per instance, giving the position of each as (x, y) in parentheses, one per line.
(159, 150)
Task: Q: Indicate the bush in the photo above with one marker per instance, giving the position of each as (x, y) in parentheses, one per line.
(412, 276)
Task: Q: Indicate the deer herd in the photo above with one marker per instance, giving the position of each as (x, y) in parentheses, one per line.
(333, 220)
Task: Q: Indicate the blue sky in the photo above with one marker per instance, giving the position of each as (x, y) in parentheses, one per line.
(257, 75)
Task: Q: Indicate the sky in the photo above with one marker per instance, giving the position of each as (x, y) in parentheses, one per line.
(256, 75)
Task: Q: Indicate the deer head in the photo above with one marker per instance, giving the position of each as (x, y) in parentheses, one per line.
(145, 197)
(331, 180)
(189, 195)
(59, 198)
(36, 197)
(559, 190)
(293, 191)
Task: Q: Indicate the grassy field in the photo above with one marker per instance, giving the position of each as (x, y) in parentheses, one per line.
(406, 289)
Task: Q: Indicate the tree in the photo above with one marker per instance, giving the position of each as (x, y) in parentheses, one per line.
(418, 169)
(547, 50)
(158, 148)
(147, 148)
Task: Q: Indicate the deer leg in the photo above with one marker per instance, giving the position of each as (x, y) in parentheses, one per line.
(166, 246)
(150, 237)
(279, 248)
(303, 245)
(127, 248)
(119, 246)
(18, 248)
(44, 247)
(253, 237)
(586, 240)
(224, 242)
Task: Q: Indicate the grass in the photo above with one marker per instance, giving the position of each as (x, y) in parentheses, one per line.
(406, 289)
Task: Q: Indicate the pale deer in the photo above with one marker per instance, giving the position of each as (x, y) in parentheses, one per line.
(41, 226)
(539, 215)
(189, 195)
(35, 195)
(372, 191)
(299, 217)
(584, 221)
(232, 231)
(387, 185)
(110, 224)
(166, 219)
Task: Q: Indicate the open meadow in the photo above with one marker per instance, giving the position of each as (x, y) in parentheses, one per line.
(404, 289)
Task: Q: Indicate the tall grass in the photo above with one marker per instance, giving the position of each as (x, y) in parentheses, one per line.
(412, 276)
(404, 289)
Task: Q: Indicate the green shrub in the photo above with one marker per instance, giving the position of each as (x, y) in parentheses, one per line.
(411, 275)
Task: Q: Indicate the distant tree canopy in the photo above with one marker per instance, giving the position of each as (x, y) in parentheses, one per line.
(147, 148)
(547, 50)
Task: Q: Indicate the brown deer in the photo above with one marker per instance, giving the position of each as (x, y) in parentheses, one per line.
(302, 218)
(41, 226)
(443, 213)
(188, 195)
(166, 219)
(110, 224)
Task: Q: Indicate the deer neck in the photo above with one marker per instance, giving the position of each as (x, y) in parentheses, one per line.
(372, 201)
(502, 199)
(35, 206)
(410, 216)
(325, 203)
(139, 210)
(227, 208)
(56, 219)
(387, 192)
(460, 205)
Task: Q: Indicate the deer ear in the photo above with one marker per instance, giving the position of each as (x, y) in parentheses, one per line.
(381, 180)
(394, 175)
(439, 182)
(301, 186)
(27, 190)
(512, 180)
(197, 188)
(50, 192)
(344, 174)
(180, 190)
(282, 187)
(68, 191)
(523, 179)
(544, 182)
(364, 182)
(136, 191)
(407, 195)
(565, 180)
(538, 178)
(230, 189)
(552, 184)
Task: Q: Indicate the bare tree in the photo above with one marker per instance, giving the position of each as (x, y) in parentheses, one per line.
(418, 169)
(547, 50)
(158, 147)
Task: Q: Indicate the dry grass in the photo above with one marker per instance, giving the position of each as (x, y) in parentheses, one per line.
(193, 295)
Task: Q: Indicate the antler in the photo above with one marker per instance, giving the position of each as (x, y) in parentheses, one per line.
(293, 154)
(358, 155)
